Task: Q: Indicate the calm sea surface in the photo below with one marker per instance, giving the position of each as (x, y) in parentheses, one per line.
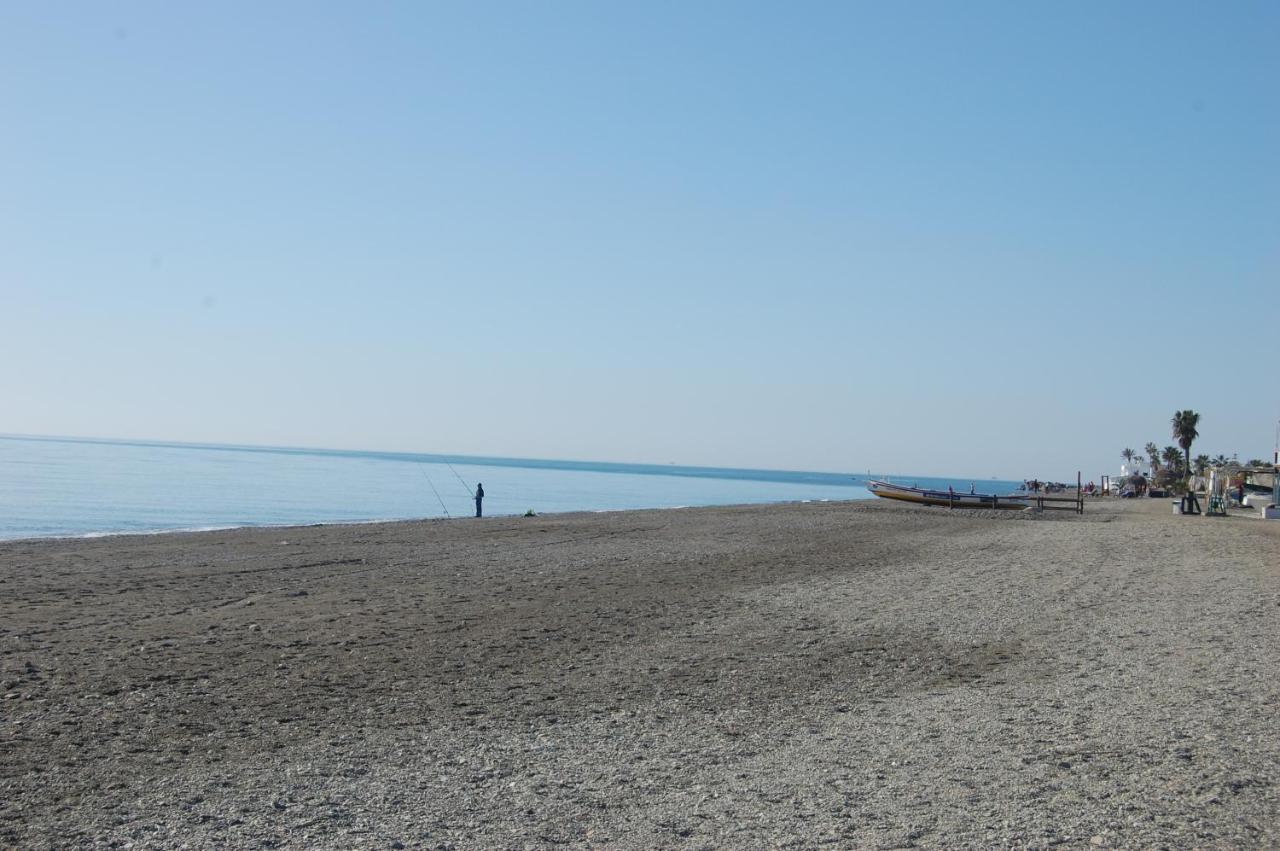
(54, 487)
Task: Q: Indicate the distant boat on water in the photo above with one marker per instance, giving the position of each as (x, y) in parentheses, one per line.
(948, 498)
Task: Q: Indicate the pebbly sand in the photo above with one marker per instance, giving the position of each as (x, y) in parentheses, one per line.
(842, 675)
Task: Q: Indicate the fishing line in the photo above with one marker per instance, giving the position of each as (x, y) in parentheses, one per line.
(436, 492)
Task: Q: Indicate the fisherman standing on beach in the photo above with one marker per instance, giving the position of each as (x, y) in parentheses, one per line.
(479, 496)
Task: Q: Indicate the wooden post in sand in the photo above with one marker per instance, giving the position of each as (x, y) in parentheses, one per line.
(1079, 495)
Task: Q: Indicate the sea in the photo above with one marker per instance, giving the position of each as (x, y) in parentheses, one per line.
(72, 487)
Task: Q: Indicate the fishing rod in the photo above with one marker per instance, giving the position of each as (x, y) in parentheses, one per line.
(436, 492)
(470, 491)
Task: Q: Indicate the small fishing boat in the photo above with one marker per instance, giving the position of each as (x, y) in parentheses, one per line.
(948, 498)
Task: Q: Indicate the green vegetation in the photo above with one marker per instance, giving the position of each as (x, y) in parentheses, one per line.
(1171, 471)
(1184, 431)
(1172, 467)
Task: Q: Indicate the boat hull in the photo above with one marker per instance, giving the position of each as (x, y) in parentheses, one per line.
(947, 499)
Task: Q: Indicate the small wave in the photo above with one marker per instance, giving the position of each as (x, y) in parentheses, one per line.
(182, 530)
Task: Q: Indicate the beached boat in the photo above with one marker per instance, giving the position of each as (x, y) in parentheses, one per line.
(950, 499)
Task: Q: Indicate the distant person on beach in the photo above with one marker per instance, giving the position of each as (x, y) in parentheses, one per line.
(479, 497)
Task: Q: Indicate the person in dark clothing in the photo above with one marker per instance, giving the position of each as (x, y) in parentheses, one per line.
(479, 497)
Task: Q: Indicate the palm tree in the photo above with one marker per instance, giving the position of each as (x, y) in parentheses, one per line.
(1153, 454)
(1127, 455)
(1184, 430)
(1201, 463)
(1172, 457)
(1220, 460)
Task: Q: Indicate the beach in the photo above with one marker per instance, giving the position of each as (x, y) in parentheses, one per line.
(801, 675)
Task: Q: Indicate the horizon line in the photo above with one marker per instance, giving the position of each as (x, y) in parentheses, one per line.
(649, 468)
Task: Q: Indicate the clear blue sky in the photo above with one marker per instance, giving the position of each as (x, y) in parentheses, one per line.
(954, 238)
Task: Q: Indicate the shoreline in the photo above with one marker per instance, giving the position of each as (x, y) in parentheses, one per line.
(856, 674)
(191, 530)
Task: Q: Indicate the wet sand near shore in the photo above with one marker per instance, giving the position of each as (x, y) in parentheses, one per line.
(811, 675)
